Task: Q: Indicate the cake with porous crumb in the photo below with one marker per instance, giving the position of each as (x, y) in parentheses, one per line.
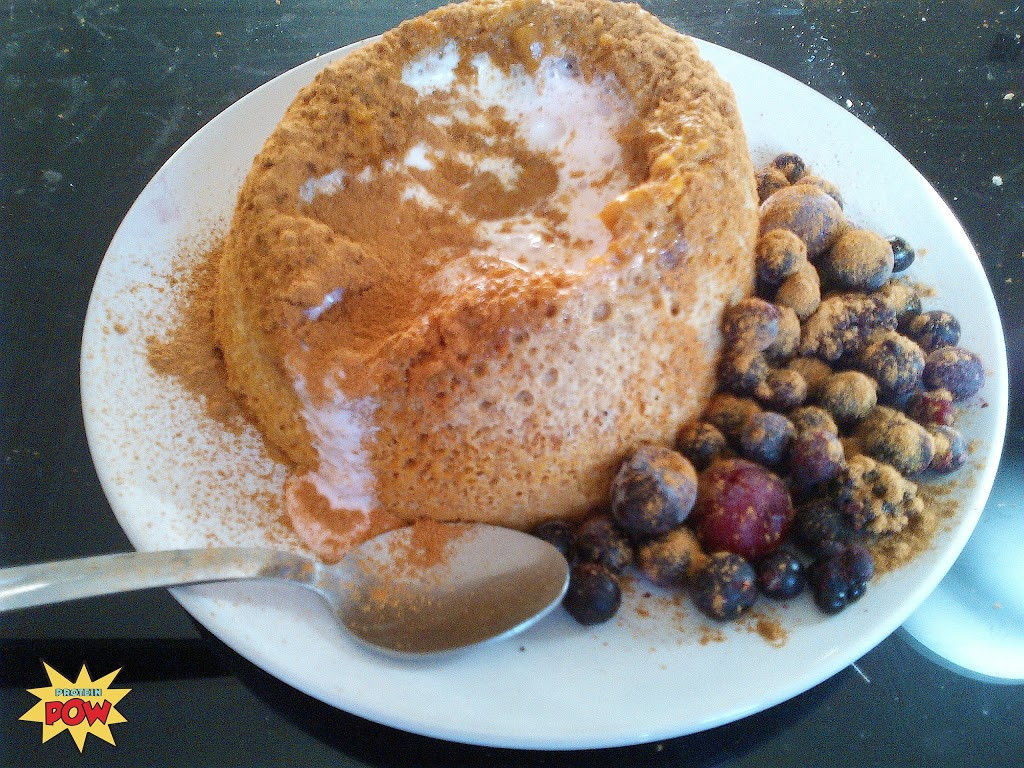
(483, 258)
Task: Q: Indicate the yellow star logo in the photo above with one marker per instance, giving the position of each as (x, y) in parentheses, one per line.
(80, 707)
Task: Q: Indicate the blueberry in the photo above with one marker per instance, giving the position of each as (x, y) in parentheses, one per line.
(821, 529)
(725, 587)
(814, 371)
(779, 255)
(813, 417)
(654, 491)
(808, 213)
(669, 559)
(825, 186)
(730, 413)
(815, 457)
(932, 406)
(858, 564)
(594, 594)
(889, 436)
(792, 165)
(770, 181)
(788, 340)
(829, 585)
(801, 291)
(742, 373)
(701, 443)
(848, 396)
(894, 361)
(751, 325)
(766, 438)
(841, 578)
(780, 575)
(559, 534)
(860, 260)
(900, 298)
(902, 254)
(599, 541)
(950, 449)
(782, 389)
(934, 329)
(956, 369)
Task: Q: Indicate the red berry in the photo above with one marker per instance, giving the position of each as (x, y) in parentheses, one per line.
(742, 508)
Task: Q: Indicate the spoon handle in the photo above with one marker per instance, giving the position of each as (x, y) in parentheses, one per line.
(43, 583)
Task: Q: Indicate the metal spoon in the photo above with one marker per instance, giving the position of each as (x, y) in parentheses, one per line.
(492, 583)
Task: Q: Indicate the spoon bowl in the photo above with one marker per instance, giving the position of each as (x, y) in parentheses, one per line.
(486, 584)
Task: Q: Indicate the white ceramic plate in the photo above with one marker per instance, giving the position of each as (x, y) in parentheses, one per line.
(174, 479)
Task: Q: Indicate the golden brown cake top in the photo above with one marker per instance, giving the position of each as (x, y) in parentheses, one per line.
(417, 164)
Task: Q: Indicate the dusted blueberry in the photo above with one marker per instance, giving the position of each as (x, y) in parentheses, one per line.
(933, 406)
(701, 443)
(725, 587)
(848, 396)
(751, 325)
(859, 260)
(950, 449)
(814, 371)
(742, 372)
(766, 438)
(889, 436)
(770, 181)
(812, 417)
(599, 541)
(559, 534)
(742, 508)
(898, 400)
(821, 529)
(729, 414)
(653, 491)
(780, 575)
(779, 255)
(782, 389)
(902, 254)
(669, 559)
(901, 299)
(801, 291)
(934, 329)
(956, 369)
(594, 594)
(825, 186)
(792, 165)
(815, 457)
(808, 213)
(894, 361)
(788, 340)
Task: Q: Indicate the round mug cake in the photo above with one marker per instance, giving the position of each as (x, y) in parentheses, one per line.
(483, 258)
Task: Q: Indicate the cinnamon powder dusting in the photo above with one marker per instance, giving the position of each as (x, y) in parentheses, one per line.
(188, 353)
(428, 545)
